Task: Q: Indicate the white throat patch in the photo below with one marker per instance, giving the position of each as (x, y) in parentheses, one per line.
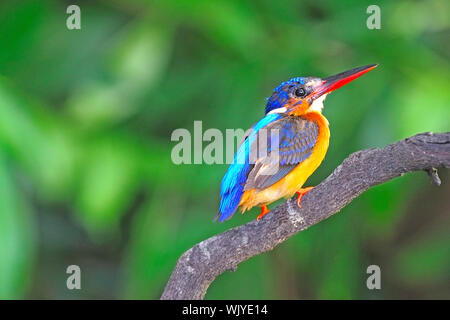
(317, 104)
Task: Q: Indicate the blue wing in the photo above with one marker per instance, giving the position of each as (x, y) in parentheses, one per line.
(296, 138)
(232, 186)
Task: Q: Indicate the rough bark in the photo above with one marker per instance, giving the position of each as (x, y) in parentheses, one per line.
(200, 265)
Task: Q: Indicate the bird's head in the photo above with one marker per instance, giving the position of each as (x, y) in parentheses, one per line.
(306, 94)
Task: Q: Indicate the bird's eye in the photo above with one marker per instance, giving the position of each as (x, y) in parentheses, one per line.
(300, 92)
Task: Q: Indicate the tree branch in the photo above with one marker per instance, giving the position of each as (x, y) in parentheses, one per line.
(200, 265)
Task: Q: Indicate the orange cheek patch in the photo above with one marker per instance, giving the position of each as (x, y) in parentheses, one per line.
(299, 107)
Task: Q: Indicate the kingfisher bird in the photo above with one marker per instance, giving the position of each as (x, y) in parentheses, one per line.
(294, 136)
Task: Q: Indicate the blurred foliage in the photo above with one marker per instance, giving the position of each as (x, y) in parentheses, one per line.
(86, 118)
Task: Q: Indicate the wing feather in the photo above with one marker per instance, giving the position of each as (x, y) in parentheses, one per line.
(296, 140)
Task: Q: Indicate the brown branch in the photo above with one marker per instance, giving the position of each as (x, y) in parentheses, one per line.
(200, 265)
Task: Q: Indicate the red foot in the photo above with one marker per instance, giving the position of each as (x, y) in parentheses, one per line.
(301, 193)
(264, 211)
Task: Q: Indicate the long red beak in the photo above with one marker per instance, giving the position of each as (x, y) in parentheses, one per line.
(338, 80)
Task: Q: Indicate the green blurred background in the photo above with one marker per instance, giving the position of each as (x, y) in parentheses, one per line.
(86, 117)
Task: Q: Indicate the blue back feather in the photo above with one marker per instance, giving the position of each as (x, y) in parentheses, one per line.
(232, 186)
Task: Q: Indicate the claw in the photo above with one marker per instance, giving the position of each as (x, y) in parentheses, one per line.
(301, 193)
(264, 211)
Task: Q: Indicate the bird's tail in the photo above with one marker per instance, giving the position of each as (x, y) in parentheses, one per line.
(229, 204)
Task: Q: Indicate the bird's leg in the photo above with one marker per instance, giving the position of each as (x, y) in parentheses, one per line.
(301, 193)
(264, 211)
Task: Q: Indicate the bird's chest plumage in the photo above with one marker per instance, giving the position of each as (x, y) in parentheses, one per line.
(294, 180)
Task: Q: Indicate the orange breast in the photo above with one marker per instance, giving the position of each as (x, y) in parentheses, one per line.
(292, 182)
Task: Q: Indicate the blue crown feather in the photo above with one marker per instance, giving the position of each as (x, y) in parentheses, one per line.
(280, 94)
